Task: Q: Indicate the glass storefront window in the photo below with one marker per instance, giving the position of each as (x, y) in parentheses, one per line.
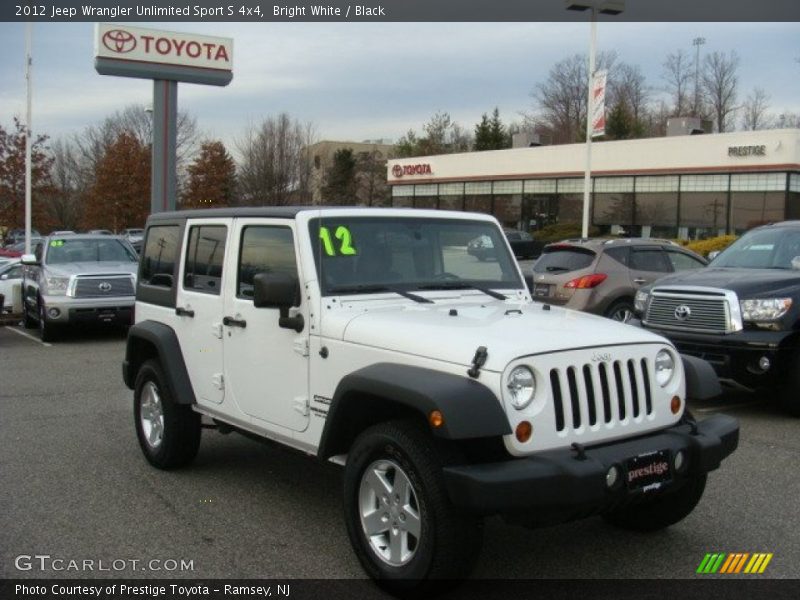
(750, 209)
(704, 214)
(481, 204)
(425, 201)
(507, 210)
(613, 209)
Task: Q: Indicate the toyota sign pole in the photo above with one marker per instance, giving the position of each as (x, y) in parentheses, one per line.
(166, 57)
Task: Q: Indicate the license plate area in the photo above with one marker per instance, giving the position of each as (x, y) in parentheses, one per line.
(648, 471)
(541, 290)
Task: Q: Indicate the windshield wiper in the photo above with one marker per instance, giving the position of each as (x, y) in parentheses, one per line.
(365, 288)
(459, 285)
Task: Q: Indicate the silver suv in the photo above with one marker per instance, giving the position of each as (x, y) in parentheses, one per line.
(78, 279)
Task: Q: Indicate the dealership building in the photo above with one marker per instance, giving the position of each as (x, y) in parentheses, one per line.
(687, 186)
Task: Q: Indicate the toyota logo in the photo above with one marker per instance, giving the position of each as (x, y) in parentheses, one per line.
(683, 312)
(119, 40)
(397, 171)
(104, 287)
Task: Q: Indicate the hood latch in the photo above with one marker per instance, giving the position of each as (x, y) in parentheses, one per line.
(481, 354)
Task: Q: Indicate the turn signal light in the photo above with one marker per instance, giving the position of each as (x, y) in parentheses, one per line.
(675, 405)
(586, 282)
(524, 431)
(436, 419)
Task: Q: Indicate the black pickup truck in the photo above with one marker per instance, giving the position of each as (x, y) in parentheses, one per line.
(741, 313)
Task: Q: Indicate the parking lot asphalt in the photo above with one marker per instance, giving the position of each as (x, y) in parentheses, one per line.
(75, 486)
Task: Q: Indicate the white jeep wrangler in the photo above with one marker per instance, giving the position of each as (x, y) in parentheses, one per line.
(372, 338)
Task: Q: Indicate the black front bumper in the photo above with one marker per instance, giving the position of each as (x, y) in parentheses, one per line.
(736, 356)
(557, 485)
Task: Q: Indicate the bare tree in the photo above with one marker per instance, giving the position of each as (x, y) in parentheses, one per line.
(786, 120)
(720, 82)
(755, 110)
(629, 87)
(678, 74)
(275, 164)
(64, 205)
(560, 101)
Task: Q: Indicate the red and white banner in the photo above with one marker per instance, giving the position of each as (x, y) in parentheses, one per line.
(598, 110)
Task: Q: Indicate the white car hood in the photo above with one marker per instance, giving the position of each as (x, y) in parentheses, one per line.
(507, 329)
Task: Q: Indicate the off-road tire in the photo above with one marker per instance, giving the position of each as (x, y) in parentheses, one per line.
(180, 437)
(449, 542)
(662, 511)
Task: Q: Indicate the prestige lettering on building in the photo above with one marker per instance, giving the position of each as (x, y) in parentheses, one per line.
(121, 42)
(747, 150)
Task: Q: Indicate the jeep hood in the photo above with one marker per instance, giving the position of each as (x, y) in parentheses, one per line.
(507, 329)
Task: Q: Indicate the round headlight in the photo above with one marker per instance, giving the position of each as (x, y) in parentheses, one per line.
(521, 387)
(665, 367)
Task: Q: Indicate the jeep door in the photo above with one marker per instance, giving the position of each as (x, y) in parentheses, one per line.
(266, 366)
(199, 306)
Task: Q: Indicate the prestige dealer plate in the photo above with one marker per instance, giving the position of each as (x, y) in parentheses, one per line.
(648, 471)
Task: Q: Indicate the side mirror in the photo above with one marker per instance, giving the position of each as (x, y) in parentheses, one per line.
(281, 291)
(29, 259)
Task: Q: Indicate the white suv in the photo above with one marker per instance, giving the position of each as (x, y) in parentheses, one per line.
(373, 339)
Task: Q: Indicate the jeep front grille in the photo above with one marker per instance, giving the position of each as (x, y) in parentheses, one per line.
(100, 286)
(689, 312)
(613, 392)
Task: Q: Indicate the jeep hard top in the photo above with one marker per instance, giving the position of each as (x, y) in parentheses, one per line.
(372, 338)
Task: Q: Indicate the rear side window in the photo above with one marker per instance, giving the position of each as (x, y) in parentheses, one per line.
(160, 255)
(620, 254)
(205, 253)
(649, 259)
(563, 259)
(683, 262)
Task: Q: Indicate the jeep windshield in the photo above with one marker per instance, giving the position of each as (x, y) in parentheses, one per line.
(71, 250)
(365, 254)
(771, 248)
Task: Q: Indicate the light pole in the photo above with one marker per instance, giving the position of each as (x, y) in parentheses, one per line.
(606, 8)
(697, 42)
(28, 134)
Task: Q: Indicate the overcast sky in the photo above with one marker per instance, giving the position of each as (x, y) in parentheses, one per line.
(366, 81)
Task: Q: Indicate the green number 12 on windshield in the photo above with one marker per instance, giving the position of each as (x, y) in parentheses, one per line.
(342, 234)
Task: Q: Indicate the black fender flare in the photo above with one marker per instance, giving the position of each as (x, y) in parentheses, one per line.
(470, 409)
(143, 338)
(702, 382)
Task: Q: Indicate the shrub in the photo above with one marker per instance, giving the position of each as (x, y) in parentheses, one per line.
(562, 231)
(704, 247)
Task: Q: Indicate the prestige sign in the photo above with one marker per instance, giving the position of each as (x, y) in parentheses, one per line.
(153, 53)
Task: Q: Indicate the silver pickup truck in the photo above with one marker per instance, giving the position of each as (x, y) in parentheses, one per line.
(78, 279)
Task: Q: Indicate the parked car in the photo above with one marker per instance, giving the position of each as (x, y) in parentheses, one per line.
(522, 245)
(10, 273)
(14, 236)
(63, 232)
(602, 276)
(18, 249)
(78, 278)
(100, 232)
(741, 314)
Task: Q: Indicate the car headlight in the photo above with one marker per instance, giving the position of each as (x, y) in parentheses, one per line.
(640, 301)
(521, 386)
(56, 285)
(665, 367)
(765, 309)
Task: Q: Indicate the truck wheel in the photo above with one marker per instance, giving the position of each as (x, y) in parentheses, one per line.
(790, 393)
(661, 512)
(621, 310)
(47, 331)
(401, 523)
(169, 433)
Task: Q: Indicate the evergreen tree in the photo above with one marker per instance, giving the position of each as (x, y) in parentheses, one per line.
(340, 179)
(483, 134)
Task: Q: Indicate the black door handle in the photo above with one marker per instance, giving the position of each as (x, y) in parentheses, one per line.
(184, 312)
(231, 322)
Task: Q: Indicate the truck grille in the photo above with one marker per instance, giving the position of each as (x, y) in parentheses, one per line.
(100, 287)
(692, 312)
(612, 392)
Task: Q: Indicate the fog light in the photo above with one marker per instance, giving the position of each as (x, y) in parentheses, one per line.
(436, 419)
(680, 460)
(612, 477)
(54, 313)
(524, 431)
(764, 363)
(675, 405)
